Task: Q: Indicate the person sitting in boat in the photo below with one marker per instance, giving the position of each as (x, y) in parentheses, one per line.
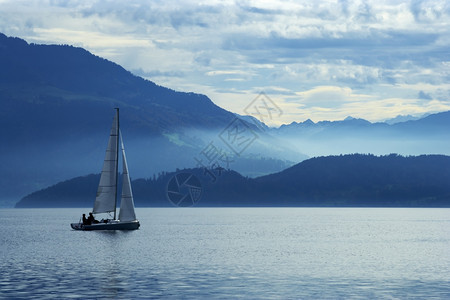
(91, 219)
(85, 220)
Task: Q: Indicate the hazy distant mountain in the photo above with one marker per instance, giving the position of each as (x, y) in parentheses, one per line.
(429, 135)
(57, 106)
(253, 120)
(434, 124)
(309, 128)
(402, 118)
(345, 180)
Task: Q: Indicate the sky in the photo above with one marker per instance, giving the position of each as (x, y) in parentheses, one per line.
(318, 60)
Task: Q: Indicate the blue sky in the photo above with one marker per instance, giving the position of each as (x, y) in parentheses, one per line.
(322, 60)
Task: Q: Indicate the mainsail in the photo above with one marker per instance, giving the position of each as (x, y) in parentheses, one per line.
(107, 188)
(126, 204)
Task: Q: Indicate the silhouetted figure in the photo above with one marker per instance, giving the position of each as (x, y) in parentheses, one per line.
(91, 219)
(85, 220)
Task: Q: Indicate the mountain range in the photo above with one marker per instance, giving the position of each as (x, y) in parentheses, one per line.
(346, 180)
(57, 105)
(428, 135)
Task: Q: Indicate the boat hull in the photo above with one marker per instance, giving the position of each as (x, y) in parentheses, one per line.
(115, 225)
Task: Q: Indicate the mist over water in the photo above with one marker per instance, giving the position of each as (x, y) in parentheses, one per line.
(216, 253)
(34, 163)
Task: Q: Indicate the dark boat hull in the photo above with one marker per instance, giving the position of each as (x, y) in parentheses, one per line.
(115, 225)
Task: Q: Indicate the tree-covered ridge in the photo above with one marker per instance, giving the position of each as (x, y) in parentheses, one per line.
(366, 180)
(345, 180)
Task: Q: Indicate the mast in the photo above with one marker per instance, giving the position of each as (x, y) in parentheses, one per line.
(117, 161)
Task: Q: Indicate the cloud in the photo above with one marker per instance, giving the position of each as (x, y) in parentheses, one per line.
(225, 72)
(316, 58)
(326, 96)
(351, 41)
(273, 90)
(429, 11)
(423, 95)
(90, 39)
(157, 73)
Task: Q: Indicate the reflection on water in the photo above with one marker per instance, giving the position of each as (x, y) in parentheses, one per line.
(229, 253)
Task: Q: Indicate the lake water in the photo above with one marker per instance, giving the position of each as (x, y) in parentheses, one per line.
(229, 253)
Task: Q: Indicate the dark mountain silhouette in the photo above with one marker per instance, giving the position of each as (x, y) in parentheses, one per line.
(345, 180)
(75, 83)
(57, 105)
(364, 180)
(64, 93)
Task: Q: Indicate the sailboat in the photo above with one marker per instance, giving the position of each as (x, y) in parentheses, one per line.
(106, 199)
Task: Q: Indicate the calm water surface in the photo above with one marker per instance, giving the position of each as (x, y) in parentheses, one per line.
(229, 253)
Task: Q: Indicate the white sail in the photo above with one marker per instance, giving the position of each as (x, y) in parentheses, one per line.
(127, 204)
(106, 199)
(107, 188)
